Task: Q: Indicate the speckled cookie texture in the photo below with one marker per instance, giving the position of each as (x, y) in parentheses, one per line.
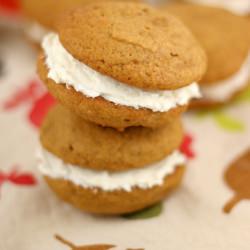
(88, 145)
(46, 11)
(224, 36)
(115, 202)
(134, 44)
(103, 112)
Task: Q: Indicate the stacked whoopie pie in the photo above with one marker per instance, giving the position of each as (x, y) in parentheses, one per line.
(226, 39)
(123, 74)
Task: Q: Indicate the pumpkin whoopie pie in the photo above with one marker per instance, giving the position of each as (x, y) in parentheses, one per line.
(41, 15)
(122, 64)
(102, 170)
(226, 40)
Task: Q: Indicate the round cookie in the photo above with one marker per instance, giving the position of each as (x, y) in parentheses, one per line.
(87, 145)
(134, 44)
(115, 202)
(103, 112)
(222, 34)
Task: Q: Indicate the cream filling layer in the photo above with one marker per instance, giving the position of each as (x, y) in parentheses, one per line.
(240, 7)
(143, 178)
(224, 90)
(36, 32)
(64, 68)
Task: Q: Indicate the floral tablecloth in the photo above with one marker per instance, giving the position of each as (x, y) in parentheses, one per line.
(191, 219)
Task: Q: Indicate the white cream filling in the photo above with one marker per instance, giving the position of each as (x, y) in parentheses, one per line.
(64, 68)
(143, 178)
(240, 7)
(223, 90)
(35, 31)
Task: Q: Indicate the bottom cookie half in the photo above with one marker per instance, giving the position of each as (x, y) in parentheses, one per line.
(114, 202)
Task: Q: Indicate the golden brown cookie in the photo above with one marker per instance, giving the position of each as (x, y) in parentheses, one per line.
(115, 202)
(134, 44)
(103, 112)
(91, 146)
(45, 12)
(224, 36)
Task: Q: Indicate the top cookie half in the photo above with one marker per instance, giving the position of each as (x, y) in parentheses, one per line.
(134, 44)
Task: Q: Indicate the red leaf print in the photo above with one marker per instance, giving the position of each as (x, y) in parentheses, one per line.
(3, 178)
(10, 5)
(21, 179)
(186, 146)
(30, 93)
(40, 109)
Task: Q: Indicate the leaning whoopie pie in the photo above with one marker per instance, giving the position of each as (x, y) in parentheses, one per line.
(226, 40)
(122, 64)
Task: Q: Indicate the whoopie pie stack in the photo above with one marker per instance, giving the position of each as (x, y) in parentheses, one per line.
(123, 73)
